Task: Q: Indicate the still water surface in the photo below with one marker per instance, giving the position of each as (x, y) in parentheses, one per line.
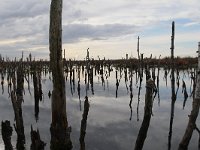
(110, 125)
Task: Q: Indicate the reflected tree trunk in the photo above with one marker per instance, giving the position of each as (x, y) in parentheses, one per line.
(158, 76)
(184, 91)
(194, 113)
(36, 142)
(131, 95)
(60, 134)
(150, 88)
(17, 99)
(6, 131)
(36, 93)
(139, 91)
(84, 124)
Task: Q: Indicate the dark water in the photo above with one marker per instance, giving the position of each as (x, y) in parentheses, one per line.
(108, 125)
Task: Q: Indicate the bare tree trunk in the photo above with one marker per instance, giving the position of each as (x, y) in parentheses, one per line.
(172, 87)
(194, 113)
(138, 49)
(60, 136)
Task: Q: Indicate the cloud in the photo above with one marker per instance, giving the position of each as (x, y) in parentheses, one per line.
(20, 9)
(88, 20)
(76, 32)
(191, 24)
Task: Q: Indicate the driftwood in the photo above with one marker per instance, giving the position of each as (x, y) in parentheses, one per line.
(150, 88)
(6, 131)
(60, 134)
(84, 124)
(194, 113)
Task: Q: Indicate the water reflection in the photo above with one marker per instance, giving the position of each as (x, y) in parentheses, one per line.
(36, 142)
(173, 100)
(131, 95)
(150, 88)
(84, 124)
(184, 91)
(6, 131)
(108, 126)
(17, 99)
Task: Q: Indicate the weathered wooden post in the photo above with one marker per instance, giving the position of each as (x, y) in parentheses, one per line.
(150, 88)
(194, 113)
(60, 134)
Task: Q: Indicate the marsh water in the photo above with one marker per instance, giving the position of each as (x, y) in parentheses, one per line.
(113, 119)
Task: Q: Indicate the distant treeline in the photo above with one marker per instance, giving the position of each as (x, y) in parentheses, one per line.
(179, 62)
(134, 62)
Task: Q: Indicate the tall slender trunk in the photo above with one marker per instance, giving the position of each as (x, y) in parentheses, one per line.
(173, 98)
(60, 135)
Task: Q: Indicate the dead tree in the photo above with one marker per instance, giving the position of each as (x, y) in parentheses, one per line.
(138, 49)
(158, 75)
(60, 134)
(173, 98)
(150, 88)
(194, 113)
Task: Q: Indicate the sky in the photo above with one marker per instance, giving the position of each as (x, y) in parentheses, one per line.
(109, 28)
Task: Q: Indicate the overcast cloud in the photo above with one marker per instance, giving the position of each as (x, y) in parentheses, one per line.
(24, 25)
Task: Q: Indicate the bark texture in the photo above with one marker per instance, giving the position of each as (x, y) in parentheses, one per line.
(60, 136)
